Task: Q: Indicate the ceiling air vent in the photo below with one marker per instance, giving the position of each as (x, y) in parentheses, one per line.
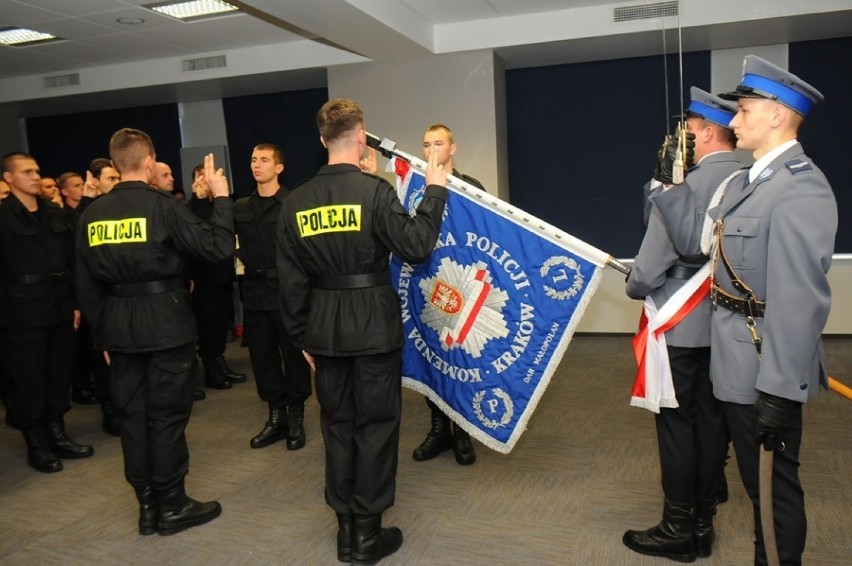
(60, 81)
(204, 63)
(645, 11)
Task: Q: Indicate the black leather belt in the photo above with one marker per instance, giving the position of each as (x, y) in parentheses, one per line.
(35, 278)
(359, 281)
(261, 273)
(147, 288)
(681, 272)
(737, 305)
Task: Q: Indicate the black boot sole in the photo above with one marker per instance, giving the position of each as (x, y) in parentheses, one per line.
(435, 451)
(50, 469)
(167, 529)
(74, 455)
(268, 441)
(676, 556)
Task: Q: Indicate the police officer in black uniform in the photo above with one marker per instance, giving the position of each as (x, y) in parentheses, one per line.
(334, 238)
(38, 316)
(442, 434)
(212, 297)
(255, 219)
(131, 256)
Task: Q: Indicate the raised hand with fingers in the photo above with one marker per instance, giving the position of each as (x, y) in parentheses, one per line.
(216, 180)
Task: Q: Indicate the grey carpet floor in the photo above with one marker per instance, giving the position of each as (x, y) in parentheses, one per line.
(584, 472)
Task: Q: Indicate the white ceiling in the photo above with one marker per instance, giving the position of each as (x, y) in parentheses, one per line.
(294, 41)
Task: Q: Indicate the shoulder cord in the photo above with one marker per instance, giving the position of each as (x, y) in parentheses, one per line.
(712, 235)
(707, 230)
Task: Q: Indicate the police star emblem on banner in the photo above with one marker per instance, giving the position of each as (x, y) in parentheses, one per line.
(488, 316)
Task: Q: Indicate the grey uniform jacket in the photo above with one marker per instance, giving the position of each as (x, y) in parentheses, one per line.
(657, 254)
(779, 237)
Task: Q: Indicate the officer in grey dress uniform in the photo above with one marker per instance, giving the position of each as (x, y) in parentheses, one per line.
(690, 436)
(775, 227)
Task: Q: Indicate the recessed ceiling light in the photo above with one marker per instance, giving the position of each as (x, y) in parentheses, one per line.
(188, 10)
(130, 21)
(21, 36)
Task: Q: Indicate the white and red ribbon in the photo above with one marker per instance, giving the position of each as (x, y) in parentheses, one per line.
(653, 387)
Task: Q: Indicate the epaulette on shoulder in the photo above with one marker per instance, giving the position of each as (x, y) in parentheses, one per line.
(797, 166)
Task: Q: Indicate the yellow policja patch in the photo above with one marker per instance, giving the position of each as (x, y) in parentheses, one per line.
(125, 231)
(325, 219)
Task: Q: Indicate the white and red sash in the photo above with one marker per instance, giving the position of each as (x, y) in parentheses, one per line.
(653, 387)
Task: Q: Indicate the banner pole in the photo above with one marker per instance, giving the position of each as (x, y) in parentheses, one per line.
(388, 149)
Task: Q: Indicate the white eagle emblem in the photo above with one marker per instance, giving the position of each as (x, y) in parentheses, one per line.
(463, 306)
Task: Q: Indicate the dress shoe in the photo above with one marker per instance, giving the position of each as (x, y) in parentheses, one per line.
(439, 438)
(463, 447)
(64, 446)
(274, 430)
(371, 542)
(230, 375)
(295, 427)
(191, 514)
(39, 455)
(199, 395)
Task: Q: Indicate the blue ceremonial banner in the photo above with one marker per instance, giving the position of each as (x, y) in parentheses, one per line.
(489, 315)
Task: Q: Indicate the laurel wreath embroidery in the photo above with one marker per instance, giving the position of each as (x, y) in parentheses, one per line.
(492, 423)
(578, 278)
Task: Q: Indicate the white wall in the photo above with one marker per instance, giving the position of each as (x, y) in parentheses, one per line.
(402, 98)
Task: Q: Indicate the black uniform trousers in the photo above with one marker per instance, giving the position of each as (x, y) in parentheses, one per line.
(360, 399)
(90, 361)
(152, 393)
(39, 361)
(691, 437)
(788, 498)
(213, 306)
(268, 346)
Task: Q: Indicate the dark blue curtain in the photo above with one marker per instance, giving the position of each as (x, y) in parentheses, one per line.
(286, 119)
(69, 142)
(583, 140)
(826, 64)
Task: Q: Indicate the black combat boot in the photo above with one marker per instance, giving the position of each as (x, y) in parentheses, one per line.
(214, 377)
(705, 535)
(345, 534)
(64, 446)
(463, 447)
(39, 454)
(673, 538)
(179, 512)
(230, 375)
(438, 439)
(274, 430)
(109, 424)
(296, 425)
(371, 542)
(149, 509)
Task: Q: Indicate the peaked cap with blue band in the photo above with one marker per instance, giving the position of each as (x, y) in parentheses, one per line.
(762, 79)
(710, 107)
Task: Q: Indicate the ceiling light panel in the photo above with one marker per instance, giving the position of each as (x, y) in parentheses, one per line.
(21, 36)
(193, 9)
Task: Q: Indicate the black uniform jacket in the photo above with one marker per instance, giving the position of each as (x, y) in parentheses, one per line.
(255, 220)
(203, 272)
(36, 260)
(138, 234)
(345, 222)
